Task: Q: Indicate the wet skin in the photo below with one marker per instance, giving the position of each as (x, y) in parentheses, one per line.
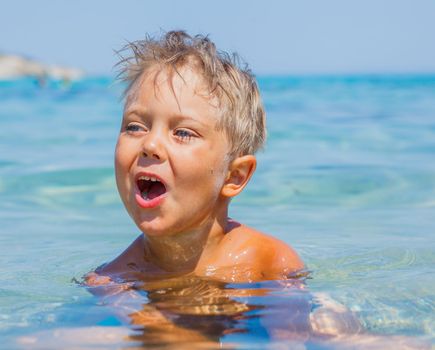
(169, 133)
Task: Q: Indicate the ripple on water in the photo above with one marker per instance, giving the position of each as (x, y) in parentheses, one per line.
(73, 188)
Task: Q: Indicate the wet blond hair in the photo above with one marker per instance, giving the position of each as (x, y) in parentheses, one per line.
(242, 114)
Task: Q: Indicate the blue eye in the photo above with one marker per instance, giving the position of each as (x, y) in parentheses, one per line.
(184, 134)
(134, 128)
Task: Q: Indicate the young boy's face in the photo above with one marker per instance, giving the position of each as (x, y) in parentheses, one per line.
(168, 134)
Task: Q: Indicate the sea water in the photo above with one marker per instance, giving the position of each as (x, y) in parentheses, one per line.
(347, 178)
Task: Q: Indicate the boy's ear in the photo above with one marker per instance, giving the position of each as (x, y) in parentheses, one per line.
(239, 172)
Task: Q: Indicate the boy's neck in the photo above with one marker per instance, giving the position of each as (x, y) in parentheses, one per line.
(182, 252)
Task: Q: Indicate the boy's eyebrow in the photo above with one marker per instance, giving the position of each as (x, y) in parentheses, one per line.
(140, 111)
(136, 110)
(180, 117)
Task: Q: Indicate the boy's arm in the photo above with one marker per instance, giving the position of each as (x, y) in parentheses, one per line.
(285, 259)
(276, 259)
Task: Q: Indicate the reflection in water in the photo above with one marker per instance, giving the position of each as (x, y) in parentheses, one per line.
(195, 311)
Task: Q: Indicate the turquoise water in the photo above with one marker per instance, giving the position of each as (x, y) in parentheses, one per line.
(347, 178)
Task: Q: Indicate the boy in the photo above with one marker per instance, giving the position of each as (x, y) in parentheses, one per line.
(192, 122)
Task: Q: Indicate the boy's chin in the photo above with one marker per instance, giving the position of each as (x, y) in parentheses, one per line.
(153, 229)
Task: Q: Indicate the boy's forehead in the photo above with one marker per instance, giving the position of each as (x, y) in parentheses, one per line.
(166, 81)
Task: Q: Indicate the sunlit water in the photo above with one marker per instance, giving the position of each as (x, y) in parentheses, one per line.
(347, 178)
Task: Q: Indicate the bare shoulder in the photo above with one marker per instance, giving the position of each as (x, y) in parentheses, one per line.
(118, 267)
(269, 255)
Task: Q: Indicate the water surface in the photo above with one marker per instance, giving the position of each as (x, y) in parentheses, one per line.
(347, 178)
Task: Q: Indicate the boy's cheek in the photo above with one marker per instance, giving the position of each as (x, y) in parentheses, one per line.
(121, 158)
(118, 171)
(118, 148)
(121, 177)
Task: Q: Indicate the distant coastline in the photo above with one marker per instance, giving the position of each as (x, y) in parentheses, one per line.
(15, 67)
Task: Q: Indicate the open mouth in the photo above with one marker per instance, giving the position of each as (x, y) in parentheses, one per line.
(150, 187)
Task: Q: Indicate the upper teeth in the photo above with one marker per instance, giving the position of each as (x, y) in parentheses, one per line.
(148, 178)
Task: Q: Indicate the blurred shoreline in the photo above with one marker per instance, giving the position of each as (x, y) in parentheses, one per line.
(15, 67)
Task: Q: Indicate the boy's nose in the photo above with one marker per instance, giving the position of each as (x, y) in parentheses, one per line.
(151, 155)
(152, 147)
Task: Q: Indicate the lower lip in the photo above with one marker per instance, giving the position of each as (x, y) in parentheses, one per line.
(148, 204)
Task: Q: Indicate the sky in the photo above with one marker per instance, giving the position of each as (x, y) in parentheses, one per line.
(273, 36)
